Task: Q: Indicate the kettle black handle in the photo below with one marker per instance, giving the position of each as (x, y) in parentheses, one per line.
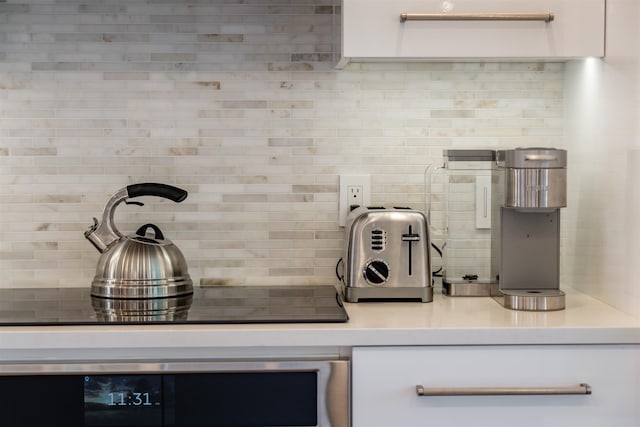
(160, 190)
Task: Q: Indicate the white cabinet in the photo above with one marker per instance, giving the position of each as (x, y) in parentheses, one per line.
(372, 29)
(385, 380)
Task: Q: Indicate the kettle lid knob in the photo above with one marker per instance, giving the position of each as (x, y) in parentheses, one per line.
(142, 231)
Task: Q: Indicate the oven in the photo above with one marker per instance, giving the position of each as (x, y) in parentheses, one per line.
(175, 393)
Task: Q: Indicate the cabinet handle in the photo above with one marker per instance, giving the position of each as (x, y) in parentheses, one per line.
(502, 391)
(546, 17)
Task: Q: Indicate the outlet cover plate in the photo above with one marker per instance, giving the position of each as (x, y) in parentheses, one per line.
(346, 181)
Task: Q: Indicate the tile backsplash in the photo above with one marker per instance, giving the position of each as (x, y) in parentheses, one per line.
(238, 102)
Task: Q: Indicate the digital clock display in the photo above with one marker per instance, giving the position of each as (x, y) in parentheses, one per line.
(188, 399)
(123, 400)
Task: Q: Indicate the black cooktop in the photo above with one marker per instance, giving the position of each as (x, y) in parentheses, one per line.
(207, 305)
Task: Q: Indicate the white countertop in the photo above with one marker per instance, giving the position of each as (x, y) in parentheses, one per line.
(445, 321)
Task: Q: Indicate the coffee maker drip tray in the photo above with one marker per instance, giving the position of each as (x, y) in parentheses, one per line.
(531, 300)
(468, 286)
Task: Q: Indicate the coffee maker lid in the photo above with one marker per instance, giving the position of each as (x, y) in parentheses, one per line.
(471, 155)
(533, 158)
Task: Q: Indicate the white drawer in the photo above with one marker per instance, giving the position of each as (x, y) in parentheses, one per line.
(372, 30)
(385, 380)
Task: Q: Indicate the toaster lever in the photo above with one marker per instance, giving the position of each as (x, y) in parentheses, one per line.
(410, 237)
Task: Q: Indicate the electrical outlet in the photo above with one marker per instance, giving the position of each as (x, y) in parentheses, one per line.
(355, 190)
(354, 195)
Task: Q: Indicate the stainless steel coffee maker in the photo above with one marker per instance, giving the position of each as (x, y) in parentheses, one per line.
(529, 189)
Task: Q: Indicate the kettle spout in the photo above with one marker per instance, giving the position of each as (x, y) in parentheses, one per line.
(99, 237)
(104, 233)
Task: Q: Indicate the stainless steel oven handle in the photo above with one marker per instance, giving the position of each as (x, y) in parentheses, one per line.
(545, 17)
(502, 391)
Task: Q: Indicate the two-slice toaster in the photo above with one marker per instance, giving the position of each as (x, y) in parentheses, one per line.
(387, 255)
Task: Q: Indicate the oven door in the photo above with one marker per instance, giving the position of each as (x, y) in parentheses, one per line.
(178, 394)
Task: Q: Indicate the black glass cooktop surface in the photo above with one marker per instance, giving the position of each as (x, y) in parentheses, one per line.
(207, 305)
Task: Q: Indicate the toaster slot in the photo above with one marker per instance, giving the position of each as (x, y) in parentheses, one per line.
(410, 237)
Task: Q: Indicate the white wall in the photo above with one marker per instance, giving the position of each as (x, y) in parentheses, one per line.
(237, 102)
(602, 105)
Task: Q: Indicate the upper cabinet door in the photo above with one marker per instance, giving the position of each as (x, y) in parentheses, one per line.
(467, 29)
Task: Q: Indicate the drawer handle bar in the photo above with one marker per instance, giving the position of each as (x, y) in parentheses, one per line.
(502, 391)
(546, 17)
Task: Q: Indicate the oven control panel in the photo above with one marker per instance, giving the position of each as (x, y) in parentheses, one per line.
(274, 393)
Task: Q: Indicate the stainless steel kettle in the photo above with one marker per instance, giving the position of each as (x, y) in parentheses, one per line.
(140, 265)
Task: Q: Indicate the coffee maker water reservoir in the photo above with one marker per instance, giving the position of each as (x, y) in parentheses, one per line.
(467, 224)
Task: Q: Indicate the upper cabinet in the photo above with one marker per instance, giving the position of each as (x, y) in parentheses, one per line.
(400, 30)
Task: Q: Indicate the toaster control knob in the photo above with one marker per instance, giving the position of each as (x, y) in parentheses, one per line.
(376, 272)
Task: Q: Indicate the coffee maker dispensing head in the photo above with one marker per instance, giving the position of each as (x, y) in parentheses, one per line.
(530, 188)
